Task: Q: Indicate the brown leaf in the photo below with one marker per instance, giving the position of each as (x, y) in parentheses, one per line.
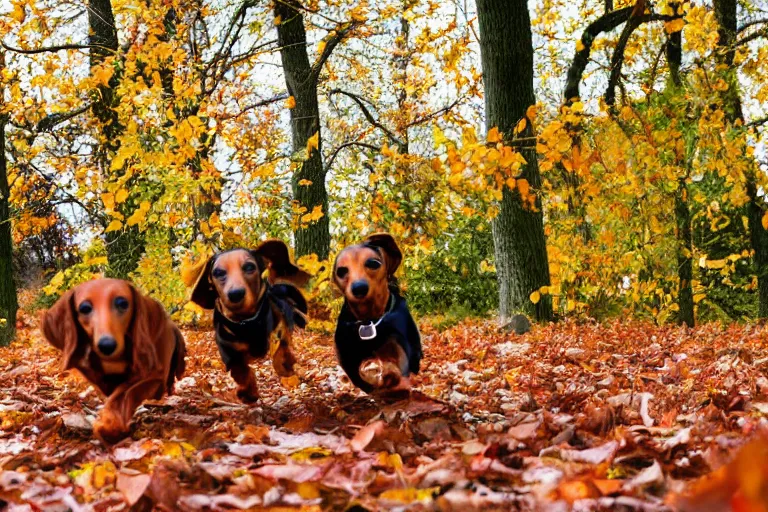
(132, 484)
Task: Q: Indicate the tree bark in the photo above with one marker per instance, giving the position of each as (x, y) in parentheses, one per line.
(518, 232)
(301, 81)
(684, 256)
(8, 300)
(727, 19)
(683, 218)
(126, 245)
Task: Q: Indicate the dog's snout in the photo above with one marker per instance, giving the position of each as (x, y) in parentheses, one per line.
(107, 345)
(360, 288)
(236, 296)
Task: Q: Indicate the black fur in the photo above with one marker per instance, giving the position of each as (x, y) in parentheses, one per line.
(398, 324)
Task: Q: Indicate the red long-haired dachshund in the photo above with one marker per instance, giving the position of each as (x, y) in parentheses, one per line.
(249, 309)
(123, 342)
(377, 342)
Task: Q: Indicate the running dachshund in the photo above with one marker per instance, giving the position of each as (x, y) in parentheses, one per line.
(377, 342)
(123, 342)
(248, 309)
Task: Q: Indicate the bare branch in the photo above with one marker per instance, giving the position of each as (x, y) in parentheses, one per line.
(757, 122)
(258, 104)
(434, 114)
(752, 24)
(367, 113)
(54, 49)
(636, 19)
(336, 151)
(330, 44)
(226, 44)
(751, 37)
(605, 23)
(51, 121)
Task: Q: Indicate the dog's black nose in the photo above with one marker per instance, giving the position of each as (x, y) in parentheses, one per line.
(107, 345)
(236, 296)
(360, 288)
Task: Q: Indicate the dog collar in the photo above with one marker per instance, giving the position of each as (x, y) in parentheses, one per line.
(258, 317)
(367, 331)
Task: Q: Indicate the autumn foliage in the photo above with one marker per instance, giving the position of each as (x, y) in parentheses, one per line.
(139, 138)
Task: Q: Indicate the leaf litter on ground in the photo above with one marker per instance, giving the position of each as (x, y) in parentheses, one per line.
(572, 416)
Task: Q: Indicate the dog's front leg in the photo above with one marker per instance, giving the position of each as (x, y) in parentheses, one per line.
(112, 424)
(283, 360)
(247, 390)
(385, 370)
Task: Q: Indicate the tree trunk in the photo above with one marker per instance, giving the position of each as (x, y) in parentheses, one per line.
(684, 256)
(507, 57)
(124, 246)
(8, 301)
(726, 15)
(309, 177)
(684, 231)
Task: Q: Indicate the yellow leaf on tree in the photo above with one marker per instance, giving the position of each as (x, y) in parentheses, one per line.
(139, 215)
(521, 125)
(535, 297)
(494, 135)
(530, 112)
(313, 143)
(19, 13)
(278, 20)
(98, 260)
(765, 220)
(290, 102)
(121, 196)
(108, 200)
(102, 74)
(674, 26)
(579, 46)
(113, 226)
(304, 182)
(523, 187)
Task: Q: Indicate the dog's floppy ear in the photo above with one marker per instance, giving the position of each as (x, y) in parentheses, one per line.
(280, 266)
(147, 327)
(203, 293)
(386, 243)
(59, 327)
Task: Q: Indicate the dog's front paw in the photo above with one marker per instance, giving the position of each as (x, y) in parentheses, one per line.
(381, 374)
(249, 393)
(284, 362)
(109, 427)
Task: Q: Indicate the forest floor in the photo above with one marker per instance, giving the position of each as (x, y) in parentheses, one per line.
(572, 416)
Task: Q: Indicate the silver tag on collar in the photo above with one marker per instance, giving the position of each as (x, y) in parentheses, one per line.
(367, 332)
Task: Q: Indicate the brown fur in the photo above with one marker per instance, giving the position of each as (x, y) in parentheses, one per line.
(149, 355)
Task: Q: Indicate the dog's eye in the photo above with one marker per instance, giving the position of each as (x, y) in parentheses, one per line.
(85, 308)
(121, 303)
(373, 264)
(342, 272)
(218, 273)
(249, 267)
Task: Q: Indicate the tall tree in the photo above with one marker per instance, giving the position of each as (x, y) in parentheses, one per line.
(518, 231)
(301, 79)
(126, 245)
(683, 216)
(8, 300)
(727, 20)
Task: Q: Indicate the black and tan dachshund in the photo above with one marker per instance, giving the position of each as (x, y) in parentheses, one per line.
(248, 309)
(377, 342)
